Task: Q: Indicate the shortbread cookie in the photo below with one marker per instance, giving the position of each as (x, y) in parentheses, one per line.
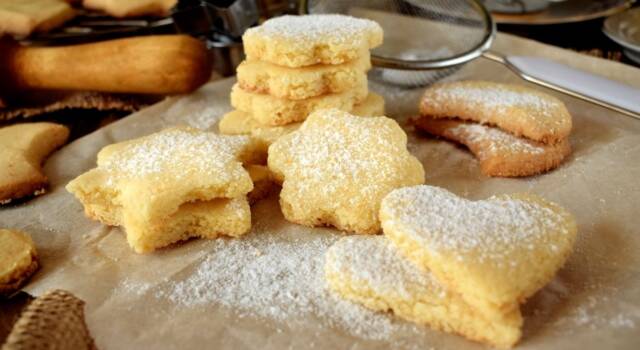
(18, 260)
(305, 82)
(131, 8)
(263, 182)
(20, 17)
(370, 271)
(499, 153)
(517, 109)
(496, 253)
(296, 41)
(337, 167)
(146, 184)
(241, 123)
(23, 148)
(269, 110)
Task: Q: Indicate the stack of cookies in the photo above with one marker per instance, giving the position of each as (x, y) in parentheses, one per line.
(170, 186)
(512, 130)
(299, 64)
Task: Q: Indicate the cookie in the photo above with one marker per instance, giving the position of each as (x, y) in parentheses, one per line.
(241, 123)
(499, 153)
(495, 253)
(131, 8)
(304, 82)
(19, 17)
(296, 41)
(18, 260)
(370, 271)
(274, 111)
(516, 109)
(336, 168)
(169, 186)
(23, 148)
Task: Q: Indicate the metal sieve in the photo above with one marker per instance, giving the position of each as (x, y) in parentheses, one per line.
(426, 35)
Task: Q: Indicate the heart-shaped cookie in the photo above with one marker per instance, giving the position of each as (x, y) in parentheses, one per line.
(370, 271)
(495, 252)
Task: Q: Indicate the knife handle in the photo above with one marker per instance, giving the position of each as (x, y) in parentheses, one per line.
(162, 64)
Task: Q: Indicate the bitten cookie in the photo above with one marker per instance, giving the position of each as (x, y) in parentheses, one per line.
(170, 186)
(495, 253)
(296, 41)
(499, 153)
(337, 167)
(274, 111)
(25, 17)
(304, 82)
(23, 148)
(516, 109)
(370, 271)
(241, 123)
(131, 8)
(18, 260)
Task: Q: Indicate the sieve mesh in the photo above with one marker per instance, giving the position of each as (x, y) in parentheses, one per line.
(420, 34)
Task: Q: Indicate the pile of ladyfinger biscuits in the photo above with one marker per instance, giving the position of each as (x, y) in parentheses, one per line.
(22, 18)
(305, 122)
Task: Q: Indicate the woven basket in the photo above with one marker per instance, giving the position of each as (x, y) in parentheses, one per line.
(53, 321)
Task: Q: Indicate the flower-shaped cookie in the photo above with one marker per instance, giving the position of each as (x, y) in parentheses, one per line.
(337, 168)
(164, 186)
(495, 253)
(296, 41)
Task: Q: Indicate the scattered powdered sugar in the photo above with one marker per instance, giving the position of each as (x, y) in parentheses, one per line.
(591, 314)
(374, 261)
(499, 141)
(313, 28)
(492, 228)
(177, 151)
(277, 276)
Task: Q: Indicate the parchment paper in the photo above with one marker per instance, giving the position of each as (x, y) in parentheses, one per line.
(594, 302)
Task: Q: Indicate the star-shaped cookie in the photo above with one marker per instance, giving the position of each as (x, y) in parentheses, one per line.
(496, 252)
(164, 186)
(337, 168)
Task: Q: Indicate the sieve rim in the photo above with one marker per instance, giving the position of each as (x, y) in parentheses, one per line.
(440, 63)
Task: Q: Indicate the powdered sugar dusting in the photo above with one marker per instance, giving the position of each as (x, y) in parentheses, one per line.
(496, 97)
(180, 152)
(374, 261)
(498, 141)
(277, 276)
(313, 28)
(493, 228)
(337, 161)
